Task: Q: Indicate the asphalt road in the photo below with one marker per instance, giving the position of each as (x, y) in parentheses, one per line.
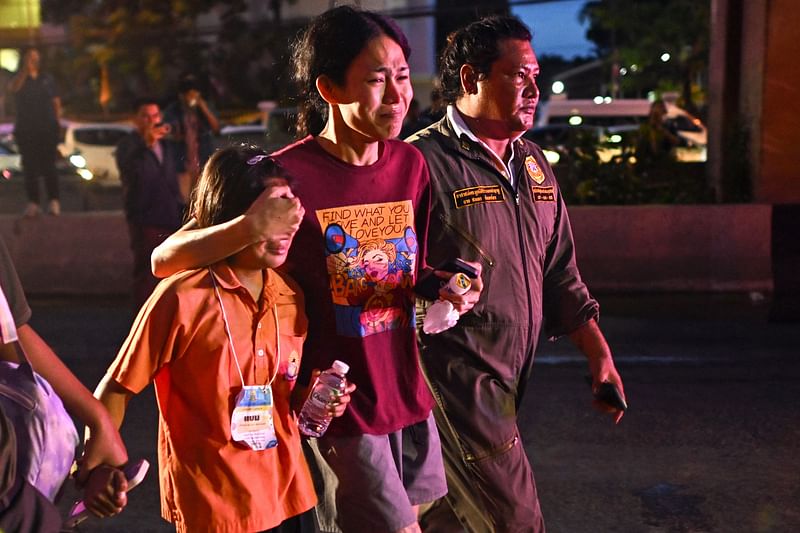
(76, 195)
(709, 443)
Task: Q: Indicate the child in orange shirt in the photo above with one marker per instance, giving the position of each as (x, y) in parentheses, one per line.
(223, 345)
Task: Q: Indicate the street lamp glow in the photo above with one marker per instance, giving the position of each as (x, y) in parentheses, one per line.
(665, 57)
(557, 87)
(623, 71)
(598, 100)
(575, 120)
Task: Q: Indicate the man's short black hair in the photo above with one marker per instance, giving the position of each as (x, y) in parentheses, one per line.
(477, 44)
(188, 82)
(143, 101)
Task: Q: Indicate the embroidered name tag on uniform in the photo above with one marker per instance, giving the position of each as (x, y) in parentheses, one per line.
(478, 195)
(533, 170)
(544, 194)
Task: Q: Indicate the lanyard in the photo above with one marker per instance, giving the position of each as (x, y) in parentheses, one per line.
(230, 337)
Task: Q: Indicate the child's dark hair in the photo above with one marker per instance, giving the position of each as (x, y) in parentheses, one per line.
(231, 180)
(327, 47)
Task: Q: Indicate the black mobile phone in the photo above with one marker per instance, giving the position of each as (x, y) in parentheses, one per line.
(134, 473)
(428, 285)
(609, 394)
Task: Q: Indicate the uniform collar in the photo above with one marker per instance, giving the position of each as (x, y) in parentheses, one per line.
(274, 285)
(461, 130)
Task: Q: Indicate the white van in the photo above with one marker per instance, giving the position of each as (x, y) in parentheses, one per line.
(620, 116)
(96, 143)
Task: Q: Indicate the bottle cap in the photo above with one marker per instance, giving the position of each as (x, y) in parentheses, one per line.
(340, 367)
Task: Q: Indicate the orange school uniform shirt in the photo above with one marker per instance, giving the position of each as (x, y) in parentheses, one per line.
(178, 340)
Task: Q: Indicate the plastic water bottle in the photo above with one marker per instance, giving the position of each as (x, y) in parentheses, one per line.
(314, 416)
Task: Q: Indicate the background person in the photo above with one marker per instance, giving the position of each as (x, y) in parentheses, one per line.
(495, 201)
(357, 183)
(193, 128)
(37, 130)
(152, 200)
(656, 138)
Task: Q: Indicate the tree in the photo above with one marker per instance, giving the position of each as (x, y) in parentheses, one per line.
(143, 45)
(634, 34)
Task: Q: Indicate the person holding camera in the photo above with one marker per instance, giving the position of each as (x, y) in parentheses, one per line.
(152, 199)
(193, 128)
(37, 130)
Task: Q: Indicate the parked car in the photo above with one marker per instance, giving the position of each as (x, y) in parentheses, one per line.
(622, 116)
(11, 165)
(558, 141)
(277, 133)
(95, 142)
(689, 151)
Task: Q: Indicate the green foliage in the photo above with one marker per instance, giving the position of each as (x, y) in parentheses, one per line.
(586, 179)
(146, 44)
(637, 32)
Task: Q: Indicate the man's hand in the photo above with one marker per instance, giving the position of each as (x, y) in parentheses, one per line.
(590, 340)
(604, 371)
(275, 215)
(463, 302)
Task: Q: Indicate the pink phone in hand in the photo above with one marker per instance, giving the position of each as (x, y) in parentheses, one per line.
(134, 474)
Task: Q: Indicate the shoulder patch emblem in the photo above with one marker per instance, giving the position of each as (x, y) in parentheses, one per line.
(533, 169)
(478, 195)
(543, 194)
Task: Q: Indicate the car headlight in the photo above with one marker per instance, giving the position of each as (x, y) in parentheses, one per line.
(85, 173)
(78, 160)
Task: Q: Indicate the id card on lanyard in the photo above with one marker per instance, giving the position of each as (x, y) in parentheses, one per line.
(251, 420)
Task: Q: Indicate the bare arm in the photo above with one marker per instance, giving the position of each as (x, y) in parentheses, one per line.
(114, 397)
(590, 340)
(106, 445)
(275, 215)
(18, 80)
(57, 107)
(213, 122)
(190, 247)
(105, 493)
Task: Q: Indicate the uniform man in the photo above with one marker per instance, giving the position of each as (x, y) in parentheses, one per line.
(496, 201)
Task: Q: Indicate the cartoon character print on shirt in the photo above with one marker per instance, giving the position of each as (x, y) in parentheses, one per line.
(371, 255)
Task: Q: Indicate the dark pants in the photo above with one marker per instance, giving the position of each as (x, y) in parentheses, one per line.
(39, 160)
(490, 483)
(494, 494)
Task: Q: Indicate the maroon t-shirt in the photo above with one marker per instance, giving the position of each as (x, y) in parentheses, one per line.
(356, 256)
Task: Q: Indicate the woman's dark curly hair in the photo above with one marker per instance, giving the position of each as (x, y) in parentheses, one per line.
(476, 44)
(327, 47)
